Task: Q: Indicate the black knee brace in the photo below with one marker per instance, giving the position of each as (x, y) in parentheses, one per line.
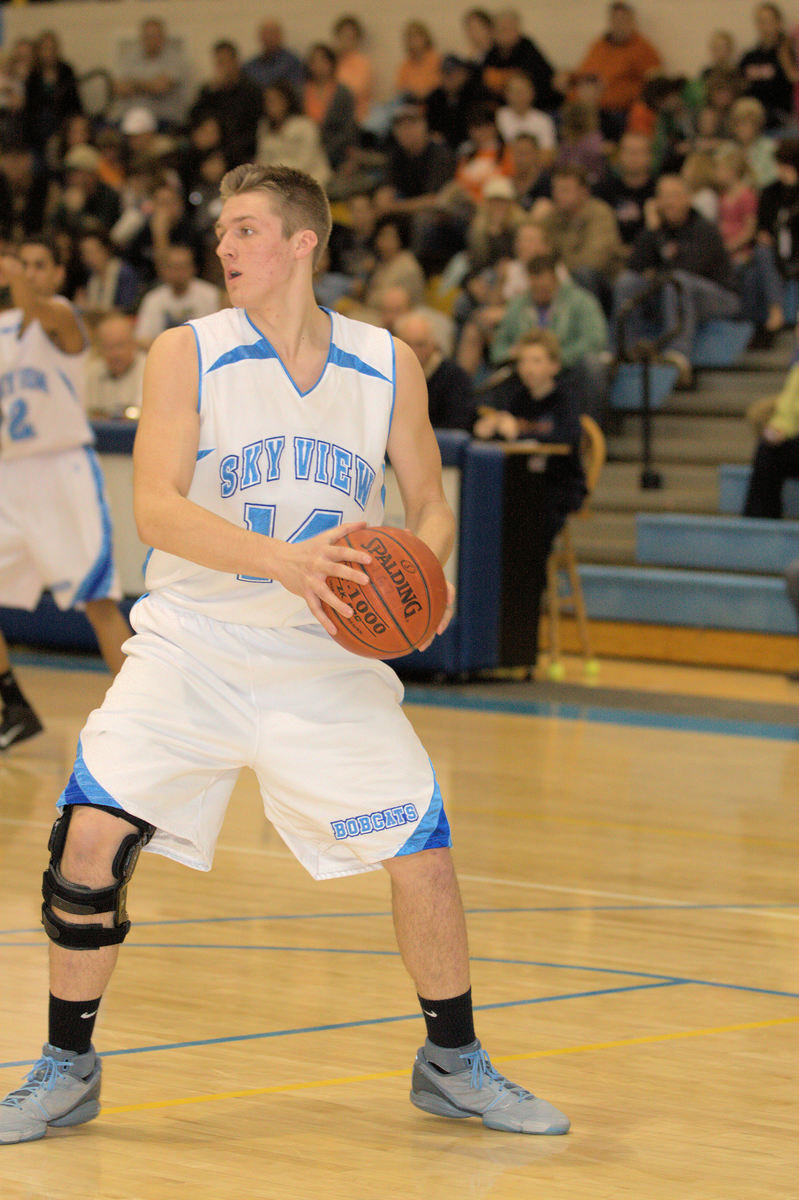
(75, 898)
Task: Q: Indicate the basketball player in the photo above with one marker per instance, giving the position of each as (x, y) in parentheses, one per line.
(263, 435)
(55, 529)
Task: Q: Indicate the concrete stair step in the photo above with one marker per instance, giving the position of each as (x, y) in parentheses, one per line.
(687, 439)
(728, 403)
(775, 356)
(604, 537)
(744, 379)
(686, 488)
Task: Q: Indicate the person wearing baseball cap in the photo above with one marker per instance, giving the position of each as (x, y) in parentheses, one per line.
(85, 196)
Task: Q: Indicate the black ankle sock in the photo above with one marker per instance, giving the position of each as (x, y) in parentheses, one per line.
(72, 1023)
(449, 1022)
(9, 690)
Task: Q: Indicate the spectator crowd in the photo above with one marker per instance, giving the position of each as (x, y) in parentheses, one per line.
(489, 197)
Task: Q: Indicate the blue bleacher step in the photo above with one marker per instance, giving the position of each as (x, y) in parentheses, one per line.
(715, 543)
(698, 599)
(734, 484)
(720, 342)
(627, 389)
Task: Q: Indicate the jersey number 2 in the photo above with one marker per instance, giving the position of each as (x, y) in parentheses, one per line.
(260, 518)
(19, 427)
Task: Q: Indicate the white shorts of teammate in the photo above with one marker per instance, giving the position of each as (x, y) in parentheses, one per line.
(343, 776)
(55, 530)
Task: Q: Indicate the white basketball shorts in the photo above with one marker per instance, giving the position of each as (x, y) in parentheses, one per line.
(343, 776)
(55, 530)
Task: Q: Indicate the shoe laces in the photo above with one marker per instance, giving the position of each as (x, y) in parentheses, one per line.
(483, 1071)
(43, 1076)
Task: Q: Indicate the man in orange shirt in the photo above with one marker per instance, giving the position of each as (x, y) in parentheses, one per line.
(621, 60)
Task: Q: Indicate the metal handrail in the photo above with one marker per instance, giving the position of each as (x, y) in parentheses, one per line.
(645, 351)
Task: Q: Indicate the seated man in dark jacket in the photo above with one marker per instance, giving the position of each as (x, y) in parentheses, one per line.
(419, 166)
(450, 391)
(530, 404)
(683, 245)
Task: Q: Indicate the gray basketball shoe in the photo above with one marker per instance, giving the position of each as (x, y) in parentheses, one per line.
(62, 1089)
(463, 1083)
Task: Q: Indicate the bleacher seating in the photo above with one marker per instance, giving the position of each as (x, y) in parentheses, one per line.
(627, 389)
(701, 599)
(721, 343)
(716, 543)
(733, 484)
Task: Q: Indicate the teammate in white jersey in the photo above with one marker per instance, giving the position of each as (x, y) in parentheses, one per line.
(55, 529)
(263, 433)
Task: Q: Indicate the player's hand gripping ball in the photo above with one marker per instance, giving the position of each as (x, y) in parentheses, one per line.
(402, 604)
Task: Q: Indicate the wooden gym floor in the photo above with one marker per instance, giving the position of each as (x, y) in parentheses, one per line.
(629, 868)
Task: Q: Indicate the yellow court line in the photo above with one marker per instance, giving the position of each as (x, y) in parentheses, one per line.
(349, 1079)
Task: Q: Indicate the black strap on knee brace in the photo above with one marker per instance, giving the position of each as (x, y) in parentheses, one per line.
(75, 898)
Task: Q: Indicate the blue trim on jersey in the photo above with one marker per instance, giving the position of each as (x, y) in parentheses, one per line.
(204, 453)
(68, 383)
(432, 830)
(147, 558)
(83, 788)
(343, 358)
(143, 596)
(199, 367)
(98, 580)
(263, 349)
(393, 380)
(274, 354)
(260, 349)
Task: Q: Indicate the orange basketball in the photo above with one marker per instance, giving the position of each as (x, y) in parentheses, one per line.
(403, 602)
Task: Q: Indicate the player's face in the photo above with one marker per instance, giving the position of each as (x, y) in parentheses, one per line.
(536, 369)
(41, 270)
(256, 256)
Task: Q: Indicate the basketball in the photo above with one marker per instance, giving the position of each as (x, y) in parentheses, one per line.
(403, 602)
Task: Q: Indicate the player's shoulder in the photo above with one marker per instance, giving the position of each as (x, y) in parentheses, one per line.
(10, 319)
(371, 345)
(224, 320)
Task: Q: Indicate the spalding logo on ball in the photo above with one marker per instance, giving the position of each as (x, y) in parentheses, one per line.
(402, 604)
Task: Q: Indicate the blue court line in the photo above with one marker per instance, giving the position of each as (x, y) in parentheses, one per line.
(415, 1016)
(675, 906)
(679, 722)
(658, 976)
(59, 662)
(443, 698)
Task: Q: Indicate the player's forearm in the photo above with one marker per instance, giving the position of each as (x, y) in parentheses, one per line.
(23, 296)
(434, 523)
(55, 317)
(179, 526)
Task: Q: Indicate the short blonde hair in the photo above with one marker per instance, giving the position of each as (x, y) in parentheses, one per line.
(300, 201)
(544, 338)
(698, 171)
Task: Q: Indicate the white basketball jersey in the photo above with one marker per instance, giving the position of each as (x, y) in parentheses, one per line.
(278, 461)
(41, 392)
